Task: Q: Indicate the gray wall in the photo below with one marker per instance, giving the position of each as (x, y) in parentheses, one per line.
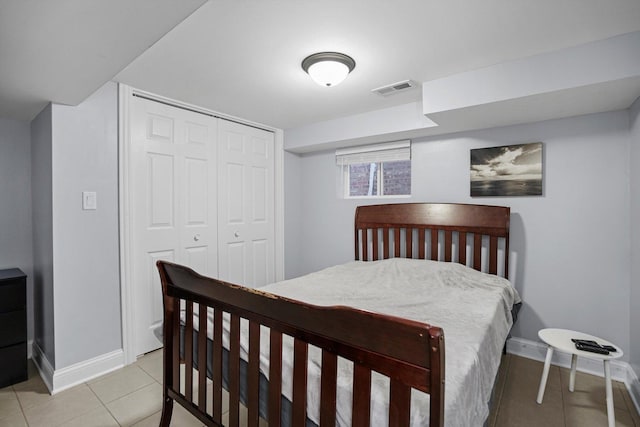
(85, 243)
(570, 247)
(293, 219)
(41, 184)
(15, 204)
(75, 252)
(634, 114)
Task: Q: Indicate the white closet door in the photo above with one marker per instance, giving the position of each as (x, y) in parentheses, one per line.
(173, 197)
(246, 229)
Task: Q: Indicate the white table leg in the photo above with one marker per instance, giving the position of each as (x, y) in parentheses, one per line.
(572, 377)
(545, 374)
(607, 378)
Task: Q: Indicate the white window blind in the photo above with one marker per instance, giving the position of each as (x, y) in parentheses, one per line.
(387, 152)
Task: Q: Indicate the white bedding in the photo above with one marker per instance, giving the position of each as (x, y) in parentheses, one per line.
(473, 309)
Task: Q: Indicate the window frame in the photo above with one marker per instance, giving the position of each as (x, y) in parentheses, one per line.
(378, 154)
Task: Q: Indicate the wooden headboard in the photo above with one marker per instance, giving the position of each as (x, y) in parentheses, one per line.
(436, 231)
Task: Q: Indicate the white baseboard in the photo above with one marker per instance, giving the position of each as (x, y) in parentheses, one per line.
(64, 378)
(633, 385)
(43, 365)
(620, 370)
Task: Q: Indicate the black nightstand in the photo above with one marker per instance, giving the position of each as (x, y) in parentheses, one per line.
(13, 326)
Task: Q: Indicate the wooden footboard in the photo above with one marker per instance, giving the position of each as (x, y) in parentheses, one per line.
(410, 353)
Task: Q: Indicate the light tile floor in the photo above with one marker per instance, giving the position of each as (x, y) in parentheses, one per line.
(132, 396)
(517, 390)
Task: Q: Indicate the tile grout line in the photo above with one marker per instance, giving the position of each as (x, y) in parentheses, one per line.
(104, 405)
(24, 416)
(89, 410)
(84, 411)
(126, 394)
(618, 388)
(563, 390)
(507, 371)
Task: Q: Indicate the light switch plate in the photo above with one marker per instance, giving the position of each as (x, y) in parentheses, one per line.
(89, 200)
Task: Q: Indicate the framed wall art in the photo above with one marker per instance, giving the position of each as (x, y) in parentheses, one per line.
(510, 170)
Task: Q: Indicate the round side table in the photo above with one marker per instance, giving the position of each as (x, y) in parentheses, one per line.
(560, 339)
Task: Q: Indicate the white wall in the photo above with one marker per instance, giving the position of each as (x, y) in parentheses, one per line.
(15, 204)
(85, 242)
(41, 185)
(634, 306)
(293, 215)
(570, 246)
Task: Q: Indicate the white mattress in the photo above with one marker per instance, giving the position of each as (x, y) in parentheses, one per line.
(473, 309)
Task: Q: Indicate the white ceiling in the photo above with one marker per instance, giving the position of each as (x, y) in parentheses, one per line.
(243, 58)
(63, 50)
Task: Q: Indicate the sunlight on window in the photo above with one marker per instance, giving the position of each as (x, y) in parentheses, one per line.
(379, 179)
(377, 170)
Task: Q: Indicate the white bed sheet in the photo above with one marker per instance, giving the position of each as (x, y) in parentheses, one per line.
(473, 309)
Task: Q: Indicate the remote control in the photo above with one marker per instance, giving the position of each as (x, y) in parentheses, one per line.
(587, 342)
(590, 348)
(594, 344)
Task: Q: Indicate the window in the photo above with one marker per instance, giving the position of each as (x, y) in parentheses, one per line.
(376, 170)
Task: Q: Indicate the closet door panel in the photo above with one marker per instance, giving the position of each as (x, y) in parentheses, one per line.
(173, 199)
(200, 193)
(246, 204)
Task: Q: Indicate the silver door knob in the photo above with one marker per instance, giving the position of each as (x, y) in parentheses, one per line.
(236, 234)
(196, 237)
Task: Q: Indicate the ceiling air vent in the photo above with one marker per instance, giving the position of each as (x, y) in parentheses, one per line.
(395, 88)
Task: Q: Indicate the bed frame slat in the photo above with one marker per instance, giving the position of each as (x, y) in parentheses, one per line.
(170, 354)
(202, 357)
(462, 248)
(477, 252)
(421, 243)
(234, 370)
(436, 379)
(175, 335)
(385, 242)
(505, 273)
(188, 352)
(399, 404)
(275, 378)
(409, 238)
(361, 396)
(396, 235)
(300, 352)
(253, 375)
(328, 388)
(447, 245)
(365, 244)
(217, 365)
(493, 255)
(374, 241)
(434, 244)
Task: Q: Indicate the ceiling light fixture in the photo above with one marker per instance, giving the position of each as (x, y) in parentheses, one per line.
(328, 68)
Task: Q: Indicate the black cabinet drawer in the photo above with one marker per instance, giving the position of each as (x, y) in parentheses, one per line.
(13, 360)
(12, 295)
(13, 327)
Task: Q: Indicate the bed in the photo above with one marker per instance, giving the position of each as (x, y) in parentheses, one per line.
(312, 351)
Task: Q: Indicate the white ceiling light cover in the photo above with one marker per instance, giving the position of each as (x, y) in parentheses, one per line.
(328, 68)
(328, 73)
